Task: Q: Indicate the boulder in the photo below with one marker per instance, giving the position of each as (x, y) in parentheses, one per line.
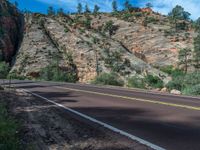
(177, 92)
(164, 90)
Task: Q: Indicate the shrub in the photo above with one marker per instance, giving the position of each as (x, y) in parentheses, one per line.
(136, 82)
(108, 79)
(192, 90)
(138, 14)
(127, 16)
(192, 78)
(174, 72)
(177, 83)
(154, 81)
(66, 30)
(13, 75)
(54, 73)
(4, 70)
(8, 129)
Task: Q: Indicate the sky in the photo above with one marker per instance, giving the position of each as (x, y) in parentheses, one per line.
(161, 6)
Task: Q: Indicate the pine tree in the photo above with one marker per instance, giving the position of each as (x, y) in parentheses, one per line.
(87, 10)
(185, 58)
(149, 5)
(60, 12)
(127, 5)
(50, 11)
(96, 9)
(178, 13)
(79, 8)
(114, 6)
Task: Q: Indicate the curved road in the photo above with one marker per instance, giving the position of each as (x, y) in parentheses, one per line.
(169, 121)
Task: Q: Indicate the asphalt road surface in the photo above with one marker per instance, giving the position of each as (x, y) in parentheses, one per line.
(169, 121)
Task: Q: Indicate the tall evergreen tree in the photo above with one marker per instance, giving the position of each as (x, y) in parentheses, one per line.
(178, 13)
(149, 5)
(114, 6)
(96, 9)
(60, 11)
(185, 58)
(51, 11)
(87, 10)
(127, 5)
(79, 8)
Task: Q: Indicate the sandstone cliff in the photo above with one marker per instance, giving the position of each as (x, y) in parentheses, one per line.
(11, 25)
(139, 44)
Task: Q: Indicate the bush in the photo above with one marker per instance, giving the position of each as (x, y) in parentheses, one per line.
(192, 78)
(4, 70)
(174, 72)
(177, 83)
(192, 90)
(154, 81)
(8, 129)
(138, 14)
(54, 73)
(108, 79)
(127, 16)
(136, 82)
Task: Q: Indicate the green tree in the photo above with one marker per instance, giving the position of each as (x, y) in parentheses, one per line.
(60, 11)
(79, 8)
(197, 24)
(50, 11)
(149, 5)
(178, 13)
(127, 5)
(185, 58)
(114, 6)
(87, 10)
(197, 51)
(96, 9)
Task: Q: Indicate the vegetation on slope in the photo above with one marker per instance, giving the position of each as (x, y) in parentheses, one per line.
(8, 129)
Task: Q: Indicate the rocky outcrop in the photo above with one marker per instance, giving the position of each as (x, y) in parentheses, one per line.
(11, 28)
(92, 53)
(77, 44)
(156, 43)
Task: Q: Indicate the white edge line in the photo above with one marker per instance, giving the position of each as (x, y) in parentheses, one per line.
(132, 137)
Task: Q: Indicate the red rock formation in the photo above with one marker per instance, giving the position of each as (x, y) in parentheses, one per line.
(11, 23)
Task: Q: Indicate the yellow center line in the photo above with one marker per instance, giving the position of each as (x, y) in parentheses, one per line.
(135, 99)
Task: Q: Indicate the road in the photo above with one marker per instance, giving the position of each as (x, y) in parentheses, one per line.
(169, 121)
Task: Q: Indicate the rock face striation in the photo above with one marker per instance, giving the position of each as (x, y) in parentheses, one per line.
(88, 44)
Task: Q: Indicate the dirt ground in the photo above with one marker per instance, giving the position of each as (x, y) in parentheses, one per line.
(47, 127)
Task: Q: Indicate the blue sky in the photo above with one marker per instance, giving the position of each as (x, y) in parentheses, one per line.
(162, 6)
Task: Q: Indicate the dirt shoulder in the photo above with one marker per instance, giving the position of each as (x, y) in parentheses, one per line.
(45, 126)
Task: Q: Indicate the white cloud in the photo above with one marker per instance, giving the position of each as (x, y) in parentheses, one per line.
(165, 6)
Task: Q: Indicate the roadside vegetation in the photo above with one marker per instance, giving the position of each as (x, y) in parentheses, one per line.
(9, 139)
(54, 73)
(108, 79)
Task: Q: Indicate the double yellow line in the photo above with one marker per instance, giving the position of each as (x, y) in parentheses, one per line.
(135, 99)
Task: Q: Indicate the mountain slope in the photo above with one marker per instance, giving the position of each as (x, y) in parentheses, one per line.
(46, 37)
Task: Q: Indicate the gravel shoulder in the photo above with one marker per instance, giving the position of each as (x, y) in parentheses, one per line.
(46, 127)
